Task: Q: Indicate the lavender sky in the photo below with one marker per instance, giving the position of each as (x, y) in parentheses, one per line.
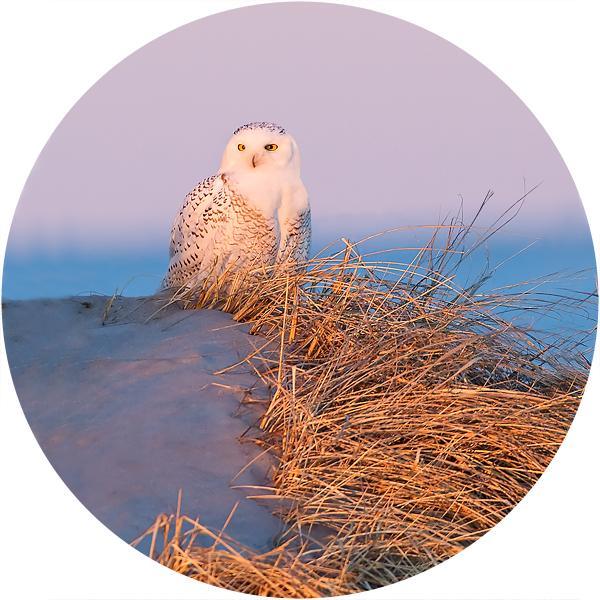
(393, 123)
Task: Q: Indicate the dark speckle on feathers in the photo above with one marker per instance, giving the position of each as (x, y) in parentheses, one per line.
(271, 127)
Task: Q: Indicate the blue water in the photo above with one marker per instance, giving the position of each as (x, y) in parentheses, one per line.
(553, 268)
(551, 283)
(73, 273)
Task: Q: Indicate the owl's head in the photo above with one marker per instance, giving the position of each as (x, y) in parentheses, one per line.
(261, 145)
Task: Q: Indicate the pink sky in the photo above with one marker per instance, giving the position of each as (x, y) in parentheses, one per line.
(393, 124)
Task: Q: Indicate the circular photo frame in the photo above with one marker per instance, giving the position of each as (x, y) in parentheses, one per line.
(299, 310)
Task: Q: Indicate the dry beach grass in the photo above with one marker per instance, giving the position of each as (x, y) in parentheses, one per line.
(408, 417)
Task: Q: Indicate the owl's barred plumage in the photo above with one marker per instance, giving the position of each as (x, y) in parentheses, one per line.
(254, 212)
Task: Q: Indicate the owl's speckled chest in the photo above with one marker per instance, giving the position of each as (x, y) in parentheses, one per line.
(252, 238)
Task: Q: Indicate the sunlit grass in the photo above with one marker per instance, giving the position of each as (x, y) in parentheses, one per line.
(408, 415)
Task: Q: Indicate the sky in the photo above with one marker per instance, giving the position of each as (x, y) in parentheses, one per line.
(397, 127)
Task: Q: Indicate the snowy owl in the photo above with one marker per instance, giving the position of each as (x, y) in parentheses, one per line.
(254, 212)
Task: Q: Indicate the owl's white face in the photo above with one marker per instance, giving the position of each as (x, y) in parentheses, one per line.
(254, 147)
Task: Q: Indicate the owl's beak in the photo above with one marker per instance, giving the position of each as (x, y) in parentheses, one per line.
(254, 160)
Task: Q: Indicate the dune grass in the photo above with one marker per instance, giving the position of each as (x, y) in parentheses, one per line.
(408, 416)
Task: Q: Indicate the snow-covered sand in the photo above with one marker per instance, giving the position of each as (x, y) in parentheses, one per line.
(128, 413)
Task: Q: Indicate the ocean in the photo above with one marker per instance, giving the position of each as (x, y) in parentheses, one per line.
(555, 270)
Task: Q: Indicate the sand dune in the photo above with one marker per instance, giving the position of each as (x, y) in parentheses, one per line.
(127, 411)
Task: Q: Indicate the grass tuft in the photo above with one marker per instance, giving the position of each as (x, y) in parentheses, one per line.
(408, 415)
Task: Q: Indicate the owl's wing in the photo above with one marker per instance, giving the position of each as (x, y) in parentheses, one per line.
(297, 244)
(193, 220)
(195, 229)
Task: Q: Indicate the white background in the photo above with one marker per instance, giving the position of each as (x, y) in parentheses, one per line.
(53, 51)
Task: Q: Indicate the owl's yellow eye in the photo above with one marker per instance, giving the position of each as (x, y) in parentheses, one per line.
(241, 147)
(271, 147)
